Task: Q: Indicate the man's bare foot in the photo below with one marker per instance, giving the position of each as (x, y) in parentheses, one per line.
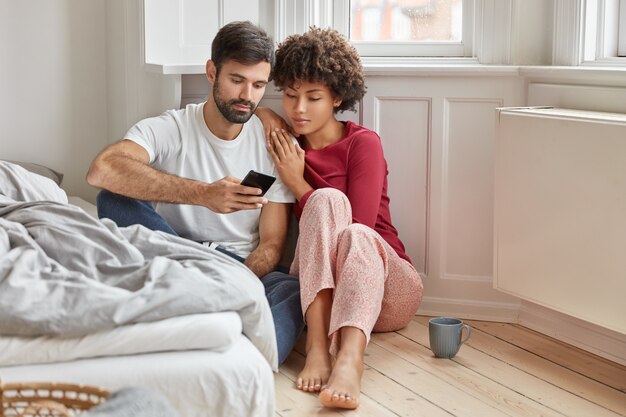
(316, 371)
(344, 385)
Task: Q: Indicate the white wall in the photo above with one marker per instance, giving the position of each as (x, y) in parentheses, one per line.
(72, 81)
(133, 93)
(53, 85)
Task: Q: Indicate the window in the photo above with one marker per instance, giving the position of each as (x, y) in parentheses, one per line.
(386, 28)
(407, 27)
(604, 29)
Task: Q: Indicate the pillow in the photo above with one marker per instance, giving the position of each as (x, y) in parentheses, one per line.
(17, 184)
(55, 176)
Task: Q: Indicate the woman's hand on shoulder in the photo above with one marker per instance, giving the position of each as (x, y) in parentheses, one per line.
(289, 160)
(271, 121)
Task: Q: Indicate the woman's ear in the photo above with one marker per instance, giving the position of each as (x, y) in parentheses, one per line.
(337, 102)
(210, 71)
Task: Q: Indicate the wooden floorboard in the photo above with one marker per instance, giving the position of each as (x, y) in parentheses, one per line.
(503, 370)
(554, 373)
(594, 367)
(532, 376)
(369, 407)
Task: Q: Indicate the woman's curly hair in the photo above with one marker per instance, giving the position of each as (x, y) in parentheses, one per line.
(321, 56)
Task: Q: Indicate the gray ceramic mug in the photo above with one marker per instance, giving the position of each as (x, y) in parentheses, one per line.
(445, 336)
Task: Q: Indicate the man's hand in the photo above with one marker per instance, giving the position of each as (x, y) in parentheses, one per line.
(228, 195)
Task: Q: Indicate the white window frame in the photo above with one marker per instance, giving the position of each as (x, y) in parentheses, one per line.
(412, 49)
(296, 16)
(621, 48)
(589, 32)
(488, 32)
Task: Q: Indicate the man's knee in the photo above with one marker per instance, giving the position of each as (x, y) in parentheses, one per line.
(280, 280)
(107, 203)
(105, 197)
(281, 288)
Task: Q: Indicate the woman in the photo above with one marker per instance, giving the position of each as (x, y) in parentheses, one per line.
(355, 277)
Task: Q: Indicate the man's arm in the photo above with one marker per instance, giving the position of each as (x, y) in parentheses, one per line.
(122, 168)
(273, 226)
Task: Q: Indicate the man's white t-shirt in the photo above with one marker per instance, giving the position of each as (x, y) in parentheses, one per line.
(180, 143)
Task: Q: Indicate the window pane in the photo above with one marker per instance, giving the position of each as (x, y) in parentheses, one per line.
(406, 20)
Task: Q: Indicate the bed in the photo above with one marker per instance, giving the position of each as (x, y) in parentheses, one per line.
(153, 310)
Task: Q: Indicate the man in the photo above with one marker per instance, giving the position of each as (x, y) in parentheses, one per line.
(189, 163)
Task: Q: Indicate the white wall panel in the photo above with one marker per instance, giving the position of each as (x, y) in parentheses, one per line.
(404, 126)
(235, 10)
(180, 32)
(446, 124)
(467, 238)
(199, 21)
(582, 97)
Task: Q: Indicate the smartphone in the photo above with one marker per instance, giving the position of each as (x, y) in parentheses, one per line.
(258, 180)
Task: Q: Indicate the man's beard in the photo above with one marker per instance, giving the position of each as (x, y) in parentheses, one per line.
(226, 107)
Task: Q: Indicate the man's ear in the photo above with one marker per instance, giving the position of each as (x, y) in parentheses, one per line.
(211, 71)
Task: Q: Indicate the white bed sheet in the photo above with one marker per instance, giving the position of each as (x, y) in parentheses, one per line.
(213, 331)
(236, 383)
(84, 204)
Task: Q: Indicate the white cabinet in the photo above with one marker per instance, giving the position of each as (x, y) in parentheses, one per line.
(178, 33)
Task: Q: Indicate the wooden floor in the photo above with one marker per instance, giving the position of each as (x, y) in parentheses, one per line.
(503, 370)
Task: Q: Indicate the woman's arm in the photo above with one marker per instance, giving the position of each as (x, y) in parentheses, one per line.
(367, 171)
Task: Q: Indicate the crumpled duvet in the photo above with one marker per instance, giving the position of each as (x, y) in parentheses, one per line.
(63, 272)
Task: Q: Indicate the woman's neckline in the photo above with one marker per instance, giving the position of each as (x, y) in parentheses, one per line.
(342, 135)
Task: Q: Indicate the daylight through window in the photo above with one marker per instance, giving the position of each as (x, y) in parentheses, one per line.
(406, 20)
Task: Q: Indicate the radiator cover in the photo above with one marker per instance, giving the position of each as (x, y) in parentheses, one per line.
(560, 211)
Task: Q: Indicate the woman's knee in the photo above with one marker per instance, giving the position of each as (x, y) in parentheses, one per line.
(327, 203)
(327, 194)
(361, 235)
(328, 197)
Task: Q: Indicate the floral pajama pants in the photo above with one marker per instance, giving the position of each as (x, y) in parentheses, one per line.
(373, 288)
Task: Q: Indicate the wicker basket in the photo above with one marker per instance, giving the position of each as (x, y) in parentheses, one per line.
(48, 399)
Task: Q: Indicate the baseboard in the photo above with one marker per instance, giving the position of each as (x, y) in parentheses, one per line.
(469, 309)
(590, 337)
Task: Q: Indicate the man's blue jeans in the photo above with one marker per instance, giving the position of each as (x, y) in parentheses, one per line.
(282, 290)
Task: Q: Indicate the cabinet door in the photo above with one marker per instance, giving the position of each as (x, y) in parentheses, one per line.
(179, 32)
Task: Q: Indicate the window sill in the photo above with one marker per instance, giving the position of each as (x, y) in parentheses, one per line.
(616, 62)
(175, 69)
(450, 67)
(399, 66)
(614, 76)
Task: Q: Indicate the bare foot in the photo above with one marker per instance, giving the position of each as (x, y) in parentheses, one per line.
(344, 385)
(316, 371)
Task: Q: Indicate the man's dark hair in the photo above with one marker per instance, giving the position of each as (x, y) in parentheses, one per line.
(243, 42)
